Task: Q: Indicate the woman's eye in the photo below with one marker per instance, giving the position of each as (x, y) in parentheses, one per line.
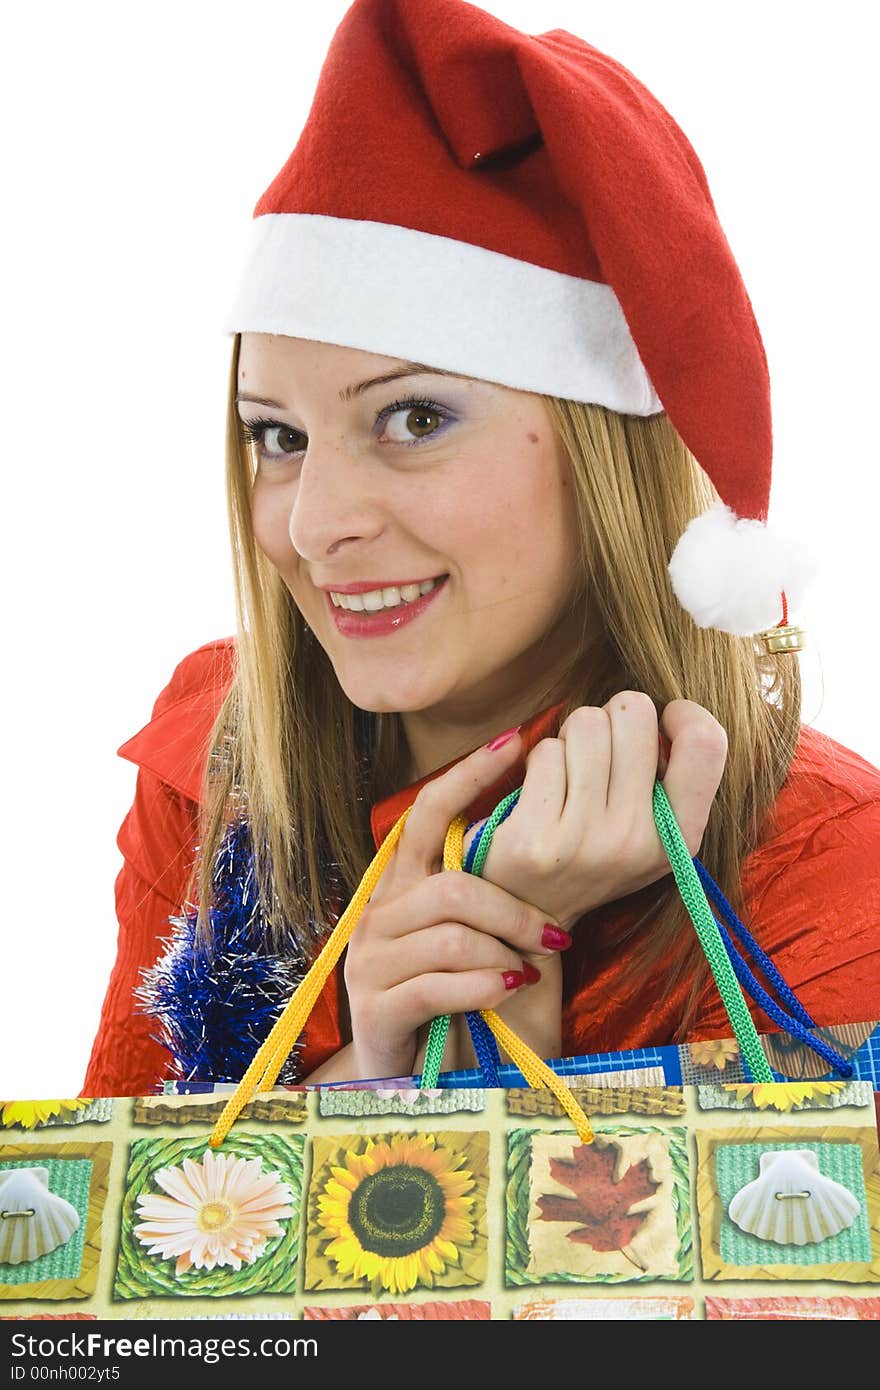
(274, 442)
(405, 422)
(280, 440)
(408, 423)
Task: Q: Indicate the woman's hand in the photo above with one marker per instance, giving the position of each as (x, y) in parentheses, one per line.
(582, 832)
(432, 942)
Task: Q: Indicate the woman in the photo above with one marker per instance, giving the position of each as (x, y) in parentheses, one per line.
(557, 576)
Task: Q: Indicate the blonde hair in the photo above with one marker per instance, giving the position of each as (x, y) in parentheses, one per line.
(290, 748)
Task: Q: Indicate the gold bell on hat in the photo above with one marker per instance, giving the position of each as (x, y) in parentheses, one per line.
(785, 637)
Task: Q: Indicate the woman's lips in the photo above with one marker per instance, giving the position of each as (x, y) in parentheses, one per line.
(387, 620)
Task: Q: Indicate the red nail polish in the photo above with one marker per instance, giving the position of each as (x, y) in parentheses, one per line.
(532, 975)
(554, 938)
(500, 739)
(513, 978)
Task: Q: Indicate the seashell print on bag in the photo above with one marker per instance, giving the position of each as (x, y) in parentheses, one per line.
(33, 1220)
(791, 1202)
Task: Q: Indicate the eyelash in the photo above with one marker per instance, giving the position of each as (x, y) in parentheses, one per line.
(254, 430)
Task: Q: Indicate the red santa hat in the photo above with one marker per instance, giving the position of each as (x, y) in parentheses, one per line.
(520, 208)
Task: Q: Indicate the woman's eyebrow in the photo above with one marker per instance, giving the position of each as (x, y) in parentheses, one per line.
(349, 392)
(408, 369)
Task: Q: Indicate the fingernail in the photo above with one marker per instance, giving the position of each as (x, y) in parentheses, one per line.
(500, 740)
(513, 978)
(554, 938)
(532, 975)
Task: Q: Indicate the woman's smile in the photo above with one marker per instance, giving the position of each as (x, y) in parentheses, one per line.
(376, 612)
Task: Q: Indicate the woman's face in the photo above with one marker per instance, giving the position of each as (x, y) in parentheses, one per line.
(393, 485)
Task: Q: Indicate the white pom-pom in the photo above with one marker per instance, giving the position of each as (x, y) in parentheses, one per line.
(729, 573)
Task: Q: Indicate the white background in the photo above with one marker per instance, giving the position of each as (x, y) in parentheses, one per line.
(137, 139)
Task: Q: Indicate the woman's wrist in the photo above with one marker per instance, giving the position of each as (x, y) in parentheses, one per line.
(356, 1063)
(336, 1068)
(373, 1063)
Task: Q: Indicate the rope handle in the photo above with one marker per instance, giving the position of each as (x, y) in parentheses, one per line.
(535, 1071)
(789, 1015)
(270, 1056)
(694, 898)
(706, 927)
(470, 862)
(269, 1059)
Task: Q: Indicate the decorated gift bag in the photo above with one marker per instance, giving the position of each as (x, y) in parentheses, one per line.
(695, 1194)
(735, 1178)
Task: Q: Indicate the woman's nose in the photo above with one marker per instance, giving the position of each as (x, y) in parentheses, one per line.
(334, 501)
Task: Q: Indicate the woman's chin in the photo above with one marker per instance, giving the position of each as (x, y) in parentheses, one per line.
(389, 696)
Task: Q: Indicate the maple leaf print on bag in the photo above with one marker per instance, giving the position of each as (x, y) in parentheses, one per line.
(600, 1205)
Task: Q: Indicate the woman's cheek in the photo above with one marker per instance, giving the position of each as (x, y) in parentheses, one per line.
(270, 516)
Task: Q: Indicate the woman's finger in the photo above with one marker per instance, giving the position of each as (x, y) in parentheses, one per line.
(474, 902)
(419, 850)
(539, 806)
(586, 735)
(634, 752)
(448, 946)
(455, 992)
(697, 757)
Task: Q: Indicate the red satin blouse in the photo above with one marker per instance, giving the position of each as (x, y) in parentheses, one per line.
(812, 890)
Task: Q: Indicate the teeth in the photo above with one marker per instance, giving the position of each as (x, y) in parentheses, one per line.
(376, 599)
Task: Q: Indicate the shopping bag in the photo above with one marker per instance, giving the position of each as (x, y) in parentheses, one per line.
(701, 1194)
(710, 1180)
(732, 954)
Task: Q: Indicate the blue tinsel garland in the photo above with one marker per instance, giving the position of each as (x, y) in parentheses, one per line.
(215, 1005)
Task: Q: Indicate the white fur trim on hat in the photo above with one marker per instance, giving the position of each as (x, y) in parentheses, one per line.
(730, 573)
(447, 303)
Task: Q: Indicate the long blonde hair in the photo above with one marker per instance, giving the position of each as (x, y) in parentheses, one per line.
(290, 749)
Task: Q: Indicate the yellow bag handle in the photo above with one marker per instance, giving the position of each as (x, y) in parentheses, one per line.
(270, 1056)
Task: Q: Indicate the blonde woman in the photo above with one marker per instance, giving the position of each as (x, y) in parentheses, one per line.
(498, 470)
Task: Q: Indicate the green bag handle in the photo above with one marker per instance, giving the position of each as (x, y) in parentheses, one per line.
(700, 913)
